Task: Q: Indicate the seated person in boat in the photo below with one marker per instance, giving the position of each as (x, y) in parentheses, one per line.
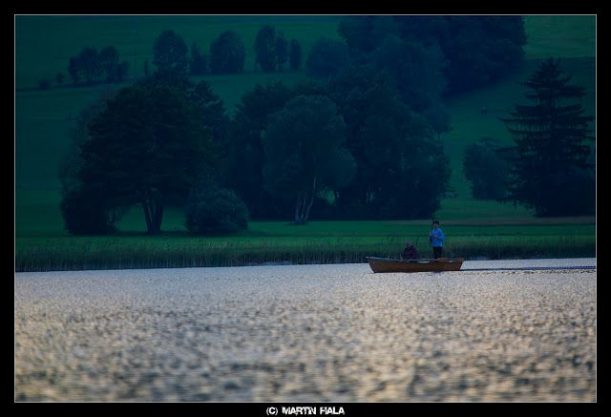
(410, 252)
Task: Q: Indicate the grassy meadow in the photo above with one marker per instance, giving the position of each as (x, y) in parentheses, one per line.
(475, 228)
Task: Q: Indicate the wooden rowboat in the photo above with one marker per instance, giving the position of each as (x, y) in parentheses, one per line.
(414, 265)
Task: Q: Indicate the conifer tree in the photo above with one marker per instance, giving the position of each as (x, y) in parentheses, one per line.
(552, 170)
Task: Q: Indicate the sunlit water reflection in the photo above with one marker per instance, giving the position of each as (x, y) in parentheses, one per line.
(308, 333)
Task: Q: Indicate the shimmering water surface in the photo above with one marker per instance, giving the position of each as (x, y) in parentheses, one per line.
(308, 333)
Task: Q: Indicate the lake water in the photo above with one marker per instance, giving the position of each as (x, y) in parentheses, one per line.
(314, 333)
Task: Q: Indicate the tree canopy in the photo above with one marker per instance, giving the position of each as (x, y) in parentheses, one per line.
(227, 53)
(145, 148)
(93, 66)
(265, 48)
(244, 165)
(282, 50)
(295, 54)
(478, 50)
(358, 140)
(304, 152)
(402, 171)
(326, 58)
(170, 53)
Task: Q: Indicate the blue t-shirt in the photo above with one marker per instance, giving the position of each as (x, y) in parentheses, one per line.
(436, 236)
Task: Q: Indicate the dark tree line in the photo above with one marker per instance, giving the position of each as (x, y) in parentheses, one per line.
(243, 170)
(273, 51)
(387, 163)
(91, 66)
(226, 55)
(357, 140)
(475, 50)
(427, 57)
(344, 147)
(402, 169)
(326, 58)
(287, 153)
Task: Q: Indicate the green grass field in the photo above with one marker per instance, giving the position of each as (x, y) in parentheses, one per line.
(478, 228)
(560, 36)
(44, 245)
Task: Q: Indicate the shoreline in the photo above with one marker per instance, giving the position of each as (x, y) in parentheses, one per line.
(586, 266)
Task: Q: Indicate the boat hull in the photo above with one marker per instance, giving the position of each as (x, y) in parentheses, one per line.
(414, 265)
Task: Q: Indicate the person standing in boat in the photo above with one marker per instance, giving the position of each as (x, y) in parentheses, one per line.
(436, 237)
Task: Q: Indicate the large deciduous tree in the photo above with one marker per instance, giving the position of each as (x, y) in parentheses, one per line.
(265, 48)
(552, 171)
(170, 53)
(478, 50)
(295, 55)
(305, 154)
(93, 66)
(402, 169)
(109, 63)
(83, 211)
(146, 148)
(244, 163)
(212, 114)
(227, 53)
(327, 57)
(89, 63)
(282, 50)
(418, 75)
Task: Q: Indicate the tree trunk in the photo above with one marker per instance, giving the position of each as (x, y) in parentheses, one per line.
(304, 205)
(147, 214)
(153, 213)
(297, 204)
(309, 207)
(299, 209)
(157, 218)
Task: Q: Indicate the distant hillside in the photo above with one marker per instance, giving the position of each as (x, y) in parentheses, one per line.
(470, 125)
(565, 36)
(44, 44)
(44, 118)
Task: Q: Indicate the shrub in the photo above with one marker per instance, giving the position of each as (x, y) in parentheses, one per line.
(85, 214)
(326, 58)
(215, 210)
(486, 170)
(227, 53)
(44, 84)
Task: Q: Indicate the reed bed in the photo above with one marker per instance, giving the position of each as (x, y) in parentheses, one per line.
(119, 252)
